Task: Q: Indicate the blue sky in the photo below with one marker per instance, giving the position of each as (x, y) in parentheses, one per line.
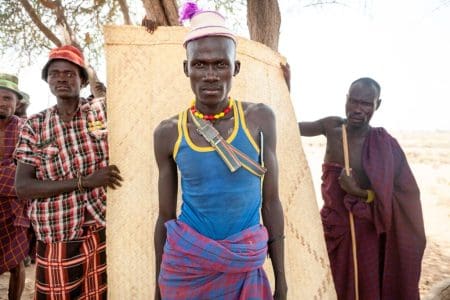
(403, 44)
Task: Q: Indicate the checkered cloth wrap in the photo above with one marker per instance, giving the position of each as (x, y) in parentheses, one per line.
(390, 234)
(13, 220)
(74, 269)
(196, 267)
(65, 150)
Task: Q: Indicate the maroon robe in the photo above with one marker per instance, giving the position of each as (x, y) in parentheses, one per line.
(389, 232)
(13, 219)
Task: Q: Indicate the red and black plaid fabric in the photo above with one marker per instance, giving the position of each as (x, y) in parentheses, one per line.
(74, 269)
(8, 169)
(14, 243)
(390, 234)
(65, 150)
(13, 221)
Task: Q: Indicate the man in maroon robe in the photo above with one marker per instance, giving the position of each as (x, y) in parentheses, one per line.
(13, 220)
(383, 197)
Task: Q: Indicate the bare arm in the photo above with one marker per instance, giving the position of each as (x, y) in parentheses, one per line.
(164, 139)
(29, 187)
(272, 211)
(319, 127)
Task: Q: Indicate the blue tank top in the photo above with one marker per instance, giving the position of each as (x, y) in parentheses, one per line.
(216, 202)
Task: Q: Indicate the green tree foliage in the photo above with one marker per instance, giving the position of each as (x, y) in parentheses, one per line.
(29, 27)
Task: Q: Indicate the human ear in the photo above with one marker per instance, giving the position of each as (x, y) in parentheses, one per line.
(237, 67)
(378, 104)
(19, 103)
(185, 68)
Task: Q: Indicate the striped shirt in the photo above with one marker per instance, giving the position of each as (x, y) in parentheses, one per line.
(65, 150)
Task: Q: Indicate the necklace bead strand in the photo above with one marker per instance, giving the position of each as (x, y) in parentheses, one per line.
(215, 116)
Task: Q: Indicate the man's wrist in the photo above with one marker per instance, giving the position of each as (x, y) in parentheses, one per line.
(363, 193)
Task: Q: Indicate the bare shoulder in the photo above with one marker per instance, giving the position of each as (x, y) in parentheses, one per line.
(166, 132)
(167, 124)
(258, 112)
(331, 123)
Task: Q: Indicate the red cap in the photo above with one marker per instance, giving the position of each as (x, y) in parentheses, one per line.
(69, 53)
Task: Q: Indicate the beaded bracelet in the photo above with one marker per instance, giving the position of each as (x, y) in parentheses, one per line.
(370, 196)
(80, 184)
(274, 239)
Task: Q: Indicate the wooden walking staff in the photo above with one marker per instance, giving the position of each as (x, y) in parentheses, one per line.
(350, 215)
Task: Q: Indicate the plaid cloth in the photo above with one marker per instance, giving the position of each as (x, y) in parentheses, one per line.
(13, 221)
(14, 244)
(10, 204)
(8, 169)
(65, 150)
(389, 232)
(196, 267)
(74, 269)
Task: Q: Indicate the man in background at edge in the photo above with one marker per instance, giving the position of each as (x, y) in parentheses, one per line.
(13, 221)
(383, 196)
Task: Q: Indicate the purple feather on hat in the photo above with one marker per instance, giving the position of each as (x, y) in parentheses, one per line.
(188, 10)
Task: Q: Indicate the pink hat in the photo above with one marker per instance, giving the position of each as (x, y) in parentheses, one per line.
(69, 53)
(204, 23)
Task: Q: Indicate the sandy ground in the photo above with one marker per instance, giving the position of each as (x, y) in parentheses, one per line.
(429, 156)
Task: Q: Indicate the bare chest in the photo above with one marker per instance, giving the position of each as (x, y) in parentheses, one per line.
(335, 154)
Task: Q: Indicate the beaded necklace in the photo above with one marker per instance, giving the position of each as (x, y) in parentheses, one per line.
(212, 117)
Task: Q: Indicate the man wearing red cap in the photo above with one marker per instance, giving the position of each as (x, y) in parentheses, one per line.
(216, 247)
(62, 167)
(13, 221)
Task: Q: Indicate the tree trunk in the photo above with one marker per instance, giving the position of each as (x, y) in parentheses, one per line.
(264, 20)
(62, 20)
(125, 11)
(164, 12)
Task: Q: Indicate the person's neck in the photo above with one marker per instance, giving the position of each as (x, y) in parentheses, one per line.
(213, 109)
(4, 122)
(67, 106)
(358, 131)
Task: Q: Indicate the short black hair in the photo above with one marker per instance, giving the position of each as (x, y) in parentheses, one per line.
(368, 82)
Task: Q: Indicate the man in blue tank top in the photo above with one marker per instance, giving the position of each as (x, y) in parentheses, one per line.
(216, 247)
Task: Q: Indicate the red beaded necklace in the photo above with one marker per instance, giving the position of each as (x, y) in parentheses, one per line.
(212, 117)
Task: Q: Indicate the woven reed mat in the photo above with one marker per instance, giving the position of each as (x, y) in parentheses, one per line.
(146, 84)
